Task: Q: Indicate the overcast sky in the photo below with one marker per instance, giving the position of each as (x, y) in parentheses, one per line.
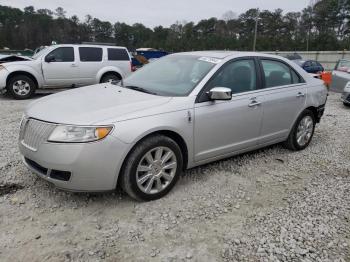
(157, 12)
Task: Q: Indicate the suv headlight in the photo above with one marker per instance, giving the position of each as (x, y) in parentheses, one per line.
(78, 134)
(347, 87)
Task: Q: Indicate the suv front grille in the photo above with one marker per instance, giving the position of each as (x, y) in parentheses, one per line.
(34, 132)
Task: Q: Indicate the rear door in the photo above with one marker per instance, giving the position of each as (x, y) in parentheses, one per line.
(90, 62)
(284, 97)
(119, 58)
(61, 70)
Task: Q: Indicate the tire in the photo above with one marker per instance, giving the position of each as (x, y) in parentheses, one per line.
(140, 179)
(292, 141)
(21, 87)
(109, 77)
(346, 104)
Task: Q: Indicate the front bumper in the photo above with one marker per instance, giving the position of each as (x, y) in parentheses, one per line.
(3, 77)
(345, 98)
(87, 167)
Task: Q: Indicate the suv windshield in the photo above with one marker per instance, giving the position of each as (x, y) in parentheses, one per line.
(174, 75)
(42, 51)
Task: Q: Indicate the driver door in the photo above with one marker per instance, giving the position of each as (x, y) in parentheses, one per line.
(60, 68)
(225, 127)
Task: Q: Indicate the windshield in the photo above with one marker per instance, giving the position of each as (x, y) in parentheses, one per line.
(174, 75)
(42, 51)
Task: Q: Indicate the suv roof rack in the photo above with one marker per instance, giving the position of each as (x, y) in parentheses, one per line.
(97, 43)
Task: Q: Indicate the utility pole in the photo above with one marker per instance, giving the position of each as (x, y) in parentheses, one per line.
(256, 30)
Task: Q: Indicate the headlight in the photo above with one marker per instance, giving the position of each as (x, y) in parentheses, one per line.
(347, 87)
(78, 134)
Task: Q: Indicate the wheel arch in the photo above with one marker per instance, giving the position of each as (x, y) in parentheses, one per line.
(16, 73)
(169, 133)
(109, 70)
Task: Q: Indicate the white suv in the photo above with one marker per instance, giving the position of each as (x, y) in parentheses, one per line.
(65, 66)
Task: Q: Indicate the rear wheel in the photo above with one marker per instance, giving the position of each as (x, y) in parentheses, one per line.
(109, 77)
(152, 168)
(302, 132)
(21, 87)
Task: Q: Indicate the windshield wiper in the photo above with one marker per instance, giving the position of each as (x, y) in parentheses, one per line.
(141, 89)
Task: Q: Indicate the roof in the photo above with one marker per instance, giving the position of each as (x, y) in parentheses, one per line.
(224, 54)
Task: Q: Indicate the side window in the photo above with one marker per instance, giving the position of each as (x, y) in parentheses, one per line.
(276, 73)
(115, 54)
(296, 78)
(62, 54)
(90, 54)
(239, 76)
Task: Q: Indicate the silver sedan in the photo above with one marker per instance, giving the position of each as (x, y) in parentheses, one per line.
(181, 111)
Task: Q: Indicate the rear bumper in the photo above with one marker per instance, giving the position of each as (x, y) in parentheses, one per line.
(345, 98)
(320, 112)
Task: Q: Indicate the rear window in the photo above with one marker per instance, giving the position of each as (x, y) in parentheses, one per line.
(115, 54)
(90, 54)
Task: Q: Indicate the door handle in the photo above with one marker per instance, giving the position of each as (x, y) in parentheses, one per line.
(300, 94)
(73, 65)
(254, 103)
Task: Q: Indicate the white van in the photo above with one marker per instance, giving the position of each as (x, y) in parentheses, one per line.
(61, 66)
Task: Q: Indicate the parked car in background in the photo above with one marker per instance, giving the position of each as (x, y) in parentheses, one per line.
(64, 66)
(310, 66)
(346, 95)
(181, 111)
(340, 76)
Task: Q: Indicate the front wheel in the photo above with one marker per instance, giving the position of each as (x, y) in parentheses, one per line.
(302, 132)
(21, 87)
(152, 168)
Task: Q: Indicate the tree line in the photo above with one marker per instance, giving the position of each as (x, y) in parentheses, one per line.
(321, 26)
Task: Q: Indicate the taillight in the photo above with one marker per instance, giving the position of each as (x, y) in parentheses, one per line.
(132, 67)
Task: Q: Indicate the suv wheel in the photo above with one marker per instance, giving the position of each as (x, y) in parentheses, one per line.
(107, 78)
(302, 132)
(152, 168)
(21, 87)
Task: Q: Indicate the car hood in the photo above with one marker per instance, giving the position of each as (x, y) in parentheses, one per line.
(4, 59)
(92, 105)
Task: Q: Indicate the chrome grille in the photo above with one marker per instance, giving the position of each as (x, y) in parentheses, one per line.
(34, 132)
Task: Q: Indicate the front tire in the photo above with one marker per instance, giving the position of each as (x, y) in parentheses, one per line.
(152, 168)
(21, 87)
(302, 131)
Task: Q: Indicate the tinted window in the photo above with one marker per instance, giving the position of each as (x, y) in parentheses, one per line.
(63, 54)
(296, 78)
(115, 54)
(90, 54)
(239, 76)
(276, 73)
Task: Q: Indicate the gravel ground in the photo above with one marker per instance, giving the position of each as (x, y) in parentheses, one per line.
(269, 205)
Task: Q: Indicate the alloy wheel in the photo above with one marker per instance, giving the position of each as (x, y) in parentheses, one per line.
(305, 130)
(156, 170)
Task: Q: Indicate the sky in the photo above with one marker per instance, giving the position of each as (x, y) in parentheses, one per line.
(157, 12)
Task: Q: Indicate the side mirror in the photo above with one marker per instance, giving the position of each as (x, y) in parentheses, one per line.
(220, 93)
(50, 58)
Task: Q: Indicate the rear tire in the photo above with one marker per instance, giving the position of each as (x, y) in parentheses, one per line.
(302, 132)
(21, 87)
(109, 77)
(152, 168)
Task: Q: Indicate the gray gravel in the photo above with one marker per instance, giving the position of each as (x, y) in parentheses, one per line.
(269, 205)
